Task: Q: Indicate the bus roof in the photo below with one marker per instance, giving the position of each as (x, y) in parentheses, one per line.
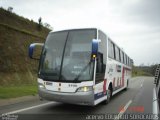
(74, 29)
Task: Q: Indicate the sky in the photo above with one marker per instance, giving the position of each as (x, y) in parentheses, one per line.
(133, 24)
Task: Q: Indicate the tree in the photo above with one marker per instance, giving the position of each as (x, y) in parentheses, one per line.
(48, 26)
(10, 9)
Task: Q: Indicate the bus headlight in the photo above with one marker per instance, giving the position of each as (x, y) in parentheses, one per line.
(41, 86)
(85, 89)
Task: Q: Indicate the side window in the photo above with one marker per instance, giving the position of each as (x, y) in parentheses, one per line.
(122, 57)
(111, 49)
(117, 53)
(126, 59)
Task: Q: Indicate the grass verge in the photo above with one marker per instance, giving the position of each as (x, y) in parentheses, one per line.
(17, 91)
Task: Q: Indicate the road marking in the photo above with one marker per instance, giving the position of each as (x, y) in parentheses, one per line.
(142, 83)
(123, 110)
(29, 108)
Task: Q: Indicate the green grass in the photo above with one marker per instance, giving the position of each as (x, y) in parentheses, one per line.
(136, 71)
(18, 73)
(17, 91)
(22, 31)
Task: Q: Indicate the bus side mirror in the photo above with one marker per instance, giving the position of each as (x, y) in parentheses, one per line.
(94, 47)
(35, 50)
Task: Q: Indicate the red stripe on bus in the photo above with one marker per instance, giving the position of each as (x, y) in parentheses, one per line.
(104, 86)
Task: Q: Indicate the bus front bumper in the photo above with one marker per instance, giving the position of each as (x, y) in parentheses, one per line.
(81, 98)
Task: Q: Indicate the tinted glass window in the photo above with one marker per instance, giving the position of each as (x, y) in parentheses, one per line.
(52, 54)
(121, 56)
(124, 59)
(67, 56)
(77, 63)
(117, 53)
(111, 49)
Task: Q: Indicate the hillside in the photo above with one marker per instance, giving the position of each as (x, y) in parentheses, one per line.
(16, 34)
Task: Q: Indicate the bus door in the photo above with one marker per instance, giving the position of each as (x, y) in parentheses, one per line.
(99, 48)
(100, 83)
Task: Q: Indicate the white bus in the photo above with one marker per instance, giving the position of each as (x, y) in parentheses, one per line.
(81, 66)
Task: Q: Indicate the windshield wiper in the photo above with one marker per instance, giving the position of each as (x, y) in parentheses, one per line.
(84, 69)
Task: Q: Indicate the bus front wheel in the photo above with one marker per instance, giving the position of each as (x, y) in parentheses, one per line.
(109, 95)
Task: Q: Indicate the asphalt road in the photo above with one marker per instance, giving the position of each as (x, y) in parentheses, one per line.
(138, 99)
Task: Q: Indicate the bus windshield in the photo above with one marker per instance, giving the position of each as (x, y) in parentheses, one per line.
(66, 56)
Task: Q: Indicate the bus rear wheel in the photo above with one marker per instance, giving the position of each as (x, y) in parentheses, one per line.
(126, 86)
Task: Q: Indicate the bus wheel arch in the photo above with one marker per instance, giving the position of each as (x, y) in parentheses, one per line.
(110, 88)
